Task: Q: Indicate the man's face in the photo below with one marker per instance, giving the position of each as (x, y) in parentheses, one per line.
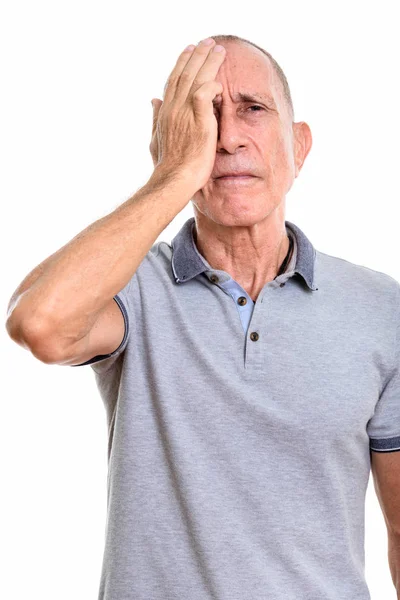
(256, 136)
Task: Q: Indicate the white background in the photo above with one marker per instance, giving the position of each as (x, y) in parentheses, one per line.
(77, 79)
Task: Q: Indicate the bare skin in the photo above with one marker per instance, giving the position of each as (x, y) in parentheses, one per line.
(240, 226)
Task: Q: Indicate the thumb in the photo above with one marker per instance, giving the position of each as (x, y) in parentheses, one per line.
(156, 104)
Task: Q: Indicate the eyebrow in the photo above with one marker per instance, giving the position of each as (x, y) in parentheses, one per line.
(252, 97)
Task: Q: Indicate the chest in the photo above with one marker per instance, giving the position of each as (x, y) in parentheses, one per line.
(299, 369)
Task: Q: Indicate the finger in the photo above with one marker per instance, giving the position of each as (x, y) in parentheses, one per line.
(172, 81)
(203, 66)
(204, 95)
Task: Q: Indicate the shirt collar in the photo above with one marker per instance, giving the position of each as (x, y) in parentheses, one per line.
(187, 262)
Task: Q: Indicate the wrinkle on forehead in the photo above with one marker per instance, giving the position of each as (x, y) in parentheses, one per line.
(257, 74)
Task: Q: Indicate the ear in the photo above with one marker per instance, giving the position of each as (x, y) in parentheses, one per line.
(302, 140)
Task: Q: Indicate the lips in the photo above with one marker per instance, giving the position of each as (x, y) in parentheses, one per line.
(235, 175)
(238, 181)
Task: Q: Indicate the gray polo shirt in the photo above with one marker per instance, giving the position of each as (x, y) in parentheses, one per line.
(240, 432)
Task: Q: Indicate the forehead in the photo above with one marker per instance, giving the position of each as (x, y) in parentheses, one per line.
(247, 70)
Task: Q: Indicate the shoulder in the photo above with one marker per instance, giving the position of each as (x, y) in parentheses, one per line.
(343, 275)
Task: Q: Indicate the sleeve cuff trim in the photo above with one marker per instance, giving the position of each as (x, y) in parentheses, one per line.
(385, 444)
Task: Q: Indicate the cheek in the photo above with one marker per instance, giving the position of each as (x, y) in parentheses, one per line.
(279, 152)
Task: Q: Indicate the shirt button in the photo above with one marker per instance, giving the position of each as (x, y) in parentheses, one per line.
(242, 300)
(282, 284)
(214, 278)
(254, 336)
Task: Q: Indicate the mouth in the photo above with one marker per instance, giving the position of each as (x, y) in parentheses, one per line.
(236, 178)
(233, 176)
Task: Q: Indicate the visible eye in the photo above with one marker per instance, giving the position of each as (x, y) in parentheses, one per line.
(254, 106)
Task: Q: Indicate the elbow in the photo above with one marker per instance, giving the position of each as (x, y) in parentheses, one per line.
(35, 337)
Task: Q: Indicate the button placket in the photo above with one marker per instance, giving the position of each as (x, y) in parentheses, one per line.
(254, 341)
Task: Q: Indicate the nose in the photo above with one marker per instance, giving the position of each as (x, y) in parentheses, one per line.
(231, 134)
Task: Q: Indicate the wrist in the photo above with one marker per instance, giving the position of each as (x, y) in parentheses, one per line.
(173, 189)
(181, 181)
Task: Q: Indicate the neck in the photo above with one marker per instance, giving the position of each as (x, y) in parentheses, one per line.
(252, 256)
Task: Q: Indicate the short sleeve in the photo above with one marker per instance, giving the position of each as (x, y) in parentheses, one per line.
(384, 426)
(123, 299)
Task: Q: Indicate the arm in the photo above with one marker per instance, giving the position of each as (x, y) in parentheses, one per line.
(59, 302)
(385, 467)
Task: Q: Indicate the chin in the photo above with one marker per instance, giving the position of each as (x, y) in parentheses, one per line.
(229, 217)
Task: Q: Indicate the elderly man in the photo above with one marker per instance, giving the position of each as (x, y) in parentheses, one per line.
(250, 381)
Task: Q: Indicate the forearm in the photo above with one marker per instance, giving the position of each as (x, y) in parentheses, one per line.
(394, 560)
(65, 293)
